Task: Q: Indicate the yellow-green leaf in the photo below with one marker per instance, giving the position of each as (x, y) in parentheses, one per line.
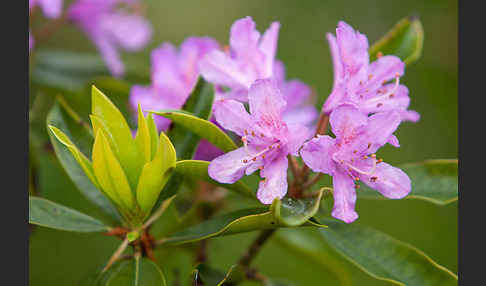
(155, 174)
(109, 173)
(142, 139)
(119, 135)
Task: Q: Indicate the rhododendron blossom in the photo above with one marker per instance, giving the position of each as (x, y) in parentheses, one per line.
(111, 26)
(174, 75)
(251, 56)
(267, 140)
(362, 83)
(351, 157)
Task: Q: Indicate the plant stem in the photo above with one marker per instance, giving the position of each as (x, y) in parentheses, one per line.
(294, 167)
(255, 247)
(48, 29)
(312, 181)
(117, 254)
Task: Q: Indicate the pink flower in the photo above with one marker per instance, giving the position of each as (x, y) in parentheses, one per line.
(51, 8)
(250, 57)
(111, 28)
(267, 140)
(350, 157)
(361, 83)
(174, 75)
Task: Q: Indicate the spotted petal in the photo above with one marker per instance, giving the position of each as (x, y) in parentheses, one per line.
(344, 195)
(275, 183)
(390, 181)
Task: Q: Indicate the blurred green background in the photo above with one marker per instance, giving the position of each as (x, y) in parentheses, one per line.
(62, 258)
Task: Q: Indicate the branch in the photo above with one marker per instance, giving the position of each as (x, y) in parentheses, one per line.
(117, 254)
(255, 247)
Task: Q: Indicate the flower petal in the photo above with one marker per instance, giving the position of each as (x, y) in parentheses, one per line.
(232, 115)
(390, 181)
(336, 60)
(218, 68)
(297, 135)
(393, 140)
(229, 167)
(149, 99)
(268, 46)
(275, 183)
(206, 151)
(353, 48)
(345, 121)
(344, 197)
(379, 129)
(295, 93)
(110, 54)
(193, 49)
(51, 8)
(131, 32)
(244, 38)
(382, 70)
(317, 154)
(266, 101)
(399, 100)
(304, 116)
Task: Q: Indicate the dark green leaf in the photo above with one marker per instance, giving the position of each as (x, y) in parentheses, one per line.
(384, 257)
(404, 40)
(235, 222)
(214, 277)
(199, 170)
(71, 71)
(432, 180)
(45, 213)
(135, 272)
(57, 117)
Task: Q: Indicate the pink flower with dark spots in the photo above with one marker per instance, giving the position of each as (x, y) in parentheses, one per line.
(111, 26)
(350, 157)
(249, 57)
(266, 137)
(367, 85)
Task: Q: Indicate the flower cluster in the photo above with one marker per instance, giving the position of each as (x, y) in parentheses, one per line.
(365, 107)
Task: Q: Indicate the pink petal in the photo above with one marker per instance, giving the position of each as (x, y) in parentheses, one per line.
(345, 121)
(266, 101)
(268, 46)
(218, 68)
(344, 197)
(379, 129)
(353, 48)
(304, 116)
(131, 32)
(206, 151)
(232, 115)
(229, 167)
(295, 93)
(317, 154)
(193, 49)
(297, 135)
(383, 102)
(336, 60)
(149, 99)
(279, 71)
(382, 70)
(165, 71)
(409, 115)
(275, 183)
(110, 54)
(244, 38)
(51, 8)
(393, 140)
(390, 181)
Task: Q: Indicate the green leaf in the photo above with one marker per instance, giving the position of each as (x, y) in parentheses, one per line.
(244, 220)
(58, 118)
(119, 135)
(142, 138)
(404, 40)
(71, 71)
(294, 212)
(308, 244)
(45, 213)
(155, 174)
(434, 181)
(384, 257)
(110, 174)
(210, 276)
(203, 128)
(135, 272)
(199, 170)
